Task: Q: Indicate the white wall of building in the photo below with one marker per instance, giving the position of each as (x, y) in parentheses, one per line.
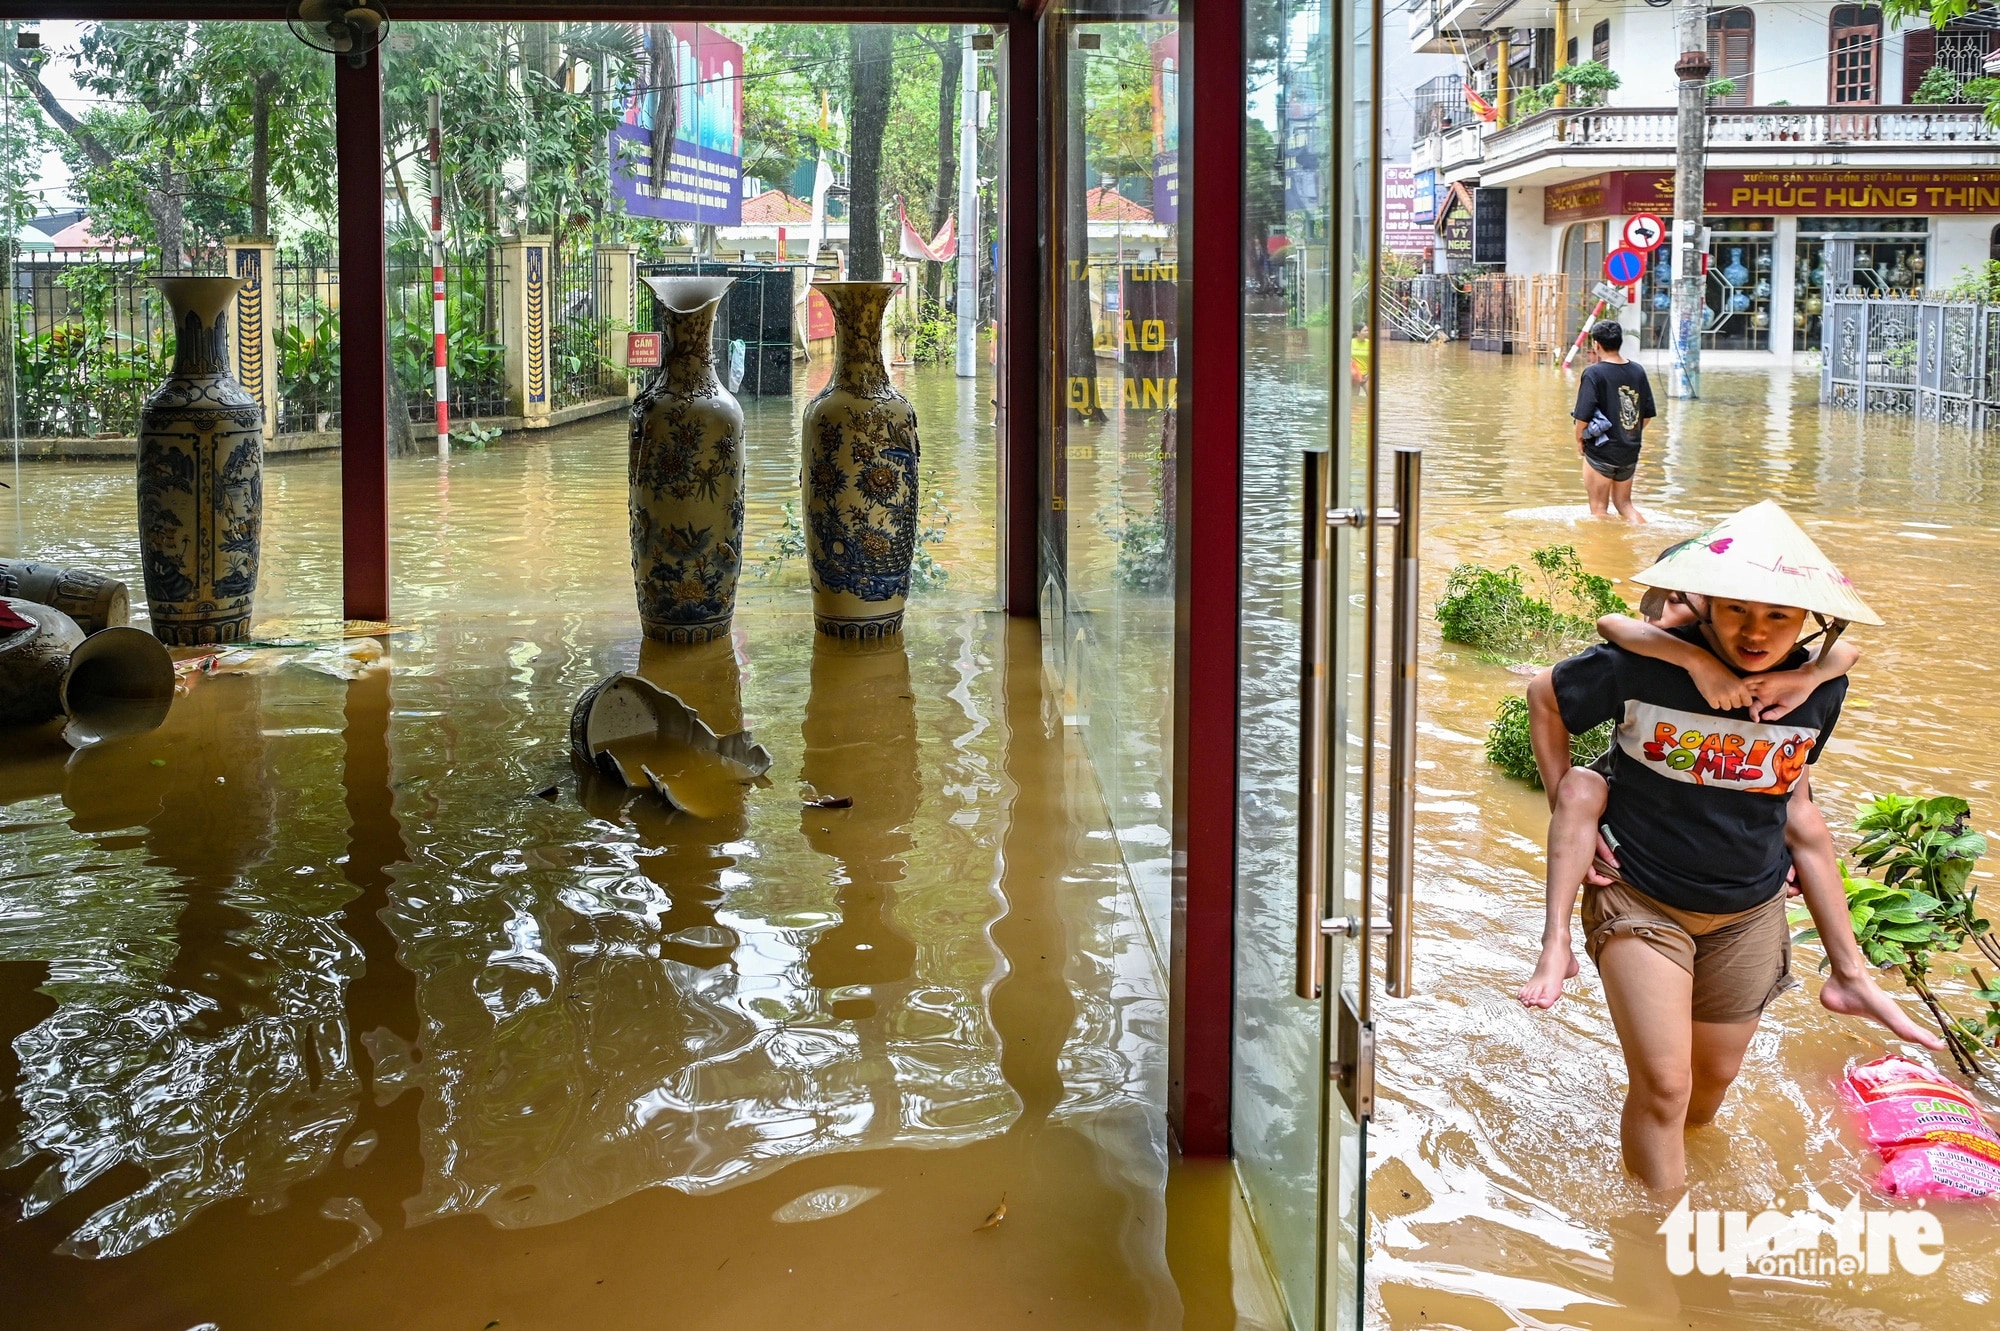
(1957, 243)
(1532, 245)
(1788, 63)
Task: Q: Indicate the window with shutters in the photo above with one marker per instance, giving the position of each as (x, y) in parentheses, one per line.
(1600, 43)
(1732, 49)
(1854, 55)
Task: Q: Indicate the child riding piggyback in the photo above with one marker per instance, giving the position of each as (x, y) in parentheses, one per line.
(1684, 837)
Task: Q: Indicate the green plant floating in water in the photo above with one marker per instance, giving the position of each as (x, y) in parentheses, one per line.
(1510, 747)
(1923, 910)
(1497, 613)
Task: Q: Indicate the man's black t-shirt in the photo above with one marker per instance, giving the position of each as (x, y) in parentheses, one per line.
(1625, 397)
(1698, 797)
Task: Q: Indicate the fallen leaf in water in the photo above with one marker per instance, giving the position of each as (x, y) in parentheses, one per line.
(831, 802)
(999, 1214)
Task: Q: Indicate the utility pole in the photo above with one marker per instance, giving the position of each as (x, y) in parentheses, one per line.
(1690, 173)
(968, 210)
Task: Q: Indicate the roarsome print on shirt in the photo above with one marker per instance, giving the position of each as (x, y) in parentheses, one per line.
(1706, 750)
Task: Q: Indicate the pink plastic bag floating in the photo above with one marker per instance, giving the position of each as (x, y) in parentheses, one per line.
(1928, 1129)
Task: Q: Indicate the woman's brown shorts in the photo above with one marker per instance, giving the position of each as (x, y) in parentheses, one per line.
(1739, 961)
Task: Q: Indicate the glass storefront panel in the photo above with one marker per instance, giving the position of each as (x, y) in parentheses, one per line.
(161, 150)
(1872, 253)
(1742, 255)
(1107, 529)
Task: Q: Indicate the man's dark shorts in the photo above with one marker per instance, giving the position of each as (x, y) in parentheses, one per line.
(1610, 472)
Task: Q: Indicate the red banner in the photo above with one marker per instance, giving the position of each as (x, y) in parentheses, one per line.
(1821, 192)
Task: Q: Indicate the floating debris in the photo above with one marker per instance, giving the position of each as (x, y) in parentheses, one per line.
(823, 1203)
(831, 802)
(993, 1220)
(354, 1213)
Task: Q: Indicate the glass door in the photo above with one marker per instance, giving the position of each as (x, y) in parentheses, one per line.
(1311, 316)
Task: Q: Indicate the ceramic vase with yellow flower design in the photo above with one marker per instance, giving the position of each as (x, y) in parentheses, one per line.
(686, 472)
(860, 480)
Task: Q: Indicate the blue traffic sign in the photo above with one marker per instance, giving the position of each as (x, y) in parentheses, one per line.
(1624, 266)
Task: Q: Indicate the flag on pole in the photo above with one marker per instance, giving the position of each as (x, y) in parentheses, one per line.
(1484, 109)
(941, 248)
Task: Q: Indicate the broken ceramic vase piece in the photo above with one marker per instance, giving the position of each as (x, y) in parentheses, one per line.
(624, 726)
(118, 681)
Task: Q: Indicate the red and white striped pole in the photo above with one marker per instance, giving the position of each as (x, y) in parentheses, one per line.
(437, 277)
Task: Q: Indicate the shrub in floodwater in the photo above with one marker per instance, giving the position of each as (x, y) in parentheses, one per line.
(1923, 908)
(1510, 748)
(1496, 612)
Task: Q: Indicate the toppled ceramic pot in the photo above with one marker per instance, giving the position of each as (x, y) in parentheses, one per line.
(94, 600)
(119, 681)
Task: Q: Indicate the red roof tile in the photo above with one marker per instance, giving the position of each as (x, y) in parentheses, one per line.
(774, 205)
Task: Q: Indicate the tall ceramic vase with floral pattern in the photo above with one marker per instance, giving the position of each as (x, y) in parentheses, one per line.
(860, 438)
(686, 473)
(201, 476)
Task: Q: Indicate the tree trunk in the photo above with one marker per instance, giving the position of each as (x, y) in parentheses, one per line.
(665, 101)
(164, 204)
(946, 192)
(260, 153)
(402, 439)
(871, 48)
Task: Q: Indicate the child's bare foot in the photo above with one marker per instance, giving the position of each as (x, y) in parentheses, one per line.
(1545, 986)
(1860, 996)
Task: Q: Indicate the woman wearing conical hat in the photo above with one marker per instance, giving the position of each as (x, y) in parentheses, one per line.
(1684, 910)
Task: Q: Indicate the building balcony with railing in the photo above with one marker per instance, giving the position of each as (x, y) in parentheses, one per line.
(1561, 143)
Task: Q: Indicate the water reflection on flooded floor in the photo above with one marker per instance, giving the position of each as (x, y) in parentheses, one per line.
(1496, 1193)
(322, 1013)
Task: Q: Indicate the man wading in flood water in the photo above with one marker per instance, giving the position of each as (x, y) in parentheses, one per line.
(1684, 913)
(1613, 403)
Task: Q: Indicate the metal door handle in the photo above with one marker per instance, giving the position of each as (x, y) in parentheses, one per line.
(1315, 723)
(1403, 725)
(1317, 805)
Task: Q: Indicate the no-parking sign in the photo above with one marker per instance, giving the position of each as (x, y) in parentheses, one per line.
(1644, 232)
(1624, 266)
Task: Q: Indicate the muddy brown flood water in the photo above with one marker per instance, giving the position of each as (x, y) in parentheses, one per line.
(315, 1015)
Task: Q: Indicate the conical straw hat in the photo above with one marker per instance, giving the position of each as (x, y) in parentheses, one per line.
(1760, 554)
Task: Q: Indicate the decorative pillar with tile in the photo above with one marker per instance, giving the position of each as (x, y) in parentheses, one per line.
(617, 289)
(525, 331)
(253, 344)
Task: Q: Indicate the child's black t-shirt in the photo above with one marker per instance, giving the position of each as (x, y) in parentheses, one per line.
(1625, 397)
(1698, 797)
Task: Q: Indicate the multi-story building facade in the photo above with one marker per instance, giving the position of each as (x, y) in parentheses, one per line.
(1824, 168)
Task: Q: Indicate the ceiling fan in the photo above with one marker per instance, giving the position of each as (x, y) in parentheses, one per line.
(351, 28)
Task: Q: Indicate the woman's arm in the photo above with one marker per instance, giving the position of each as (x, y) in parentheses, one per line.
(1720, 686)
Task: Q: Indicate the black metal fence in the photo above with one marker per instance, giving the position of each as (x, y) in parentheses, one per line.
(475, 294)
(753, 328)
(91, 337)
(582, 333)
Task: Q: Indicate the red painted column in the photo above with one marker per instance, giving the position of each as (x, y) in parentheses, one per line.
(364, 341)
(1021, 283)
(1206, 578)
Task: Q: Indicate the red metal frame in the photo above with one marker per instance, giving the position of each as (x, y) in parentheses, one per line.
(1208, 548)
(462, 11)
(364, 341)
(1021, 273)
